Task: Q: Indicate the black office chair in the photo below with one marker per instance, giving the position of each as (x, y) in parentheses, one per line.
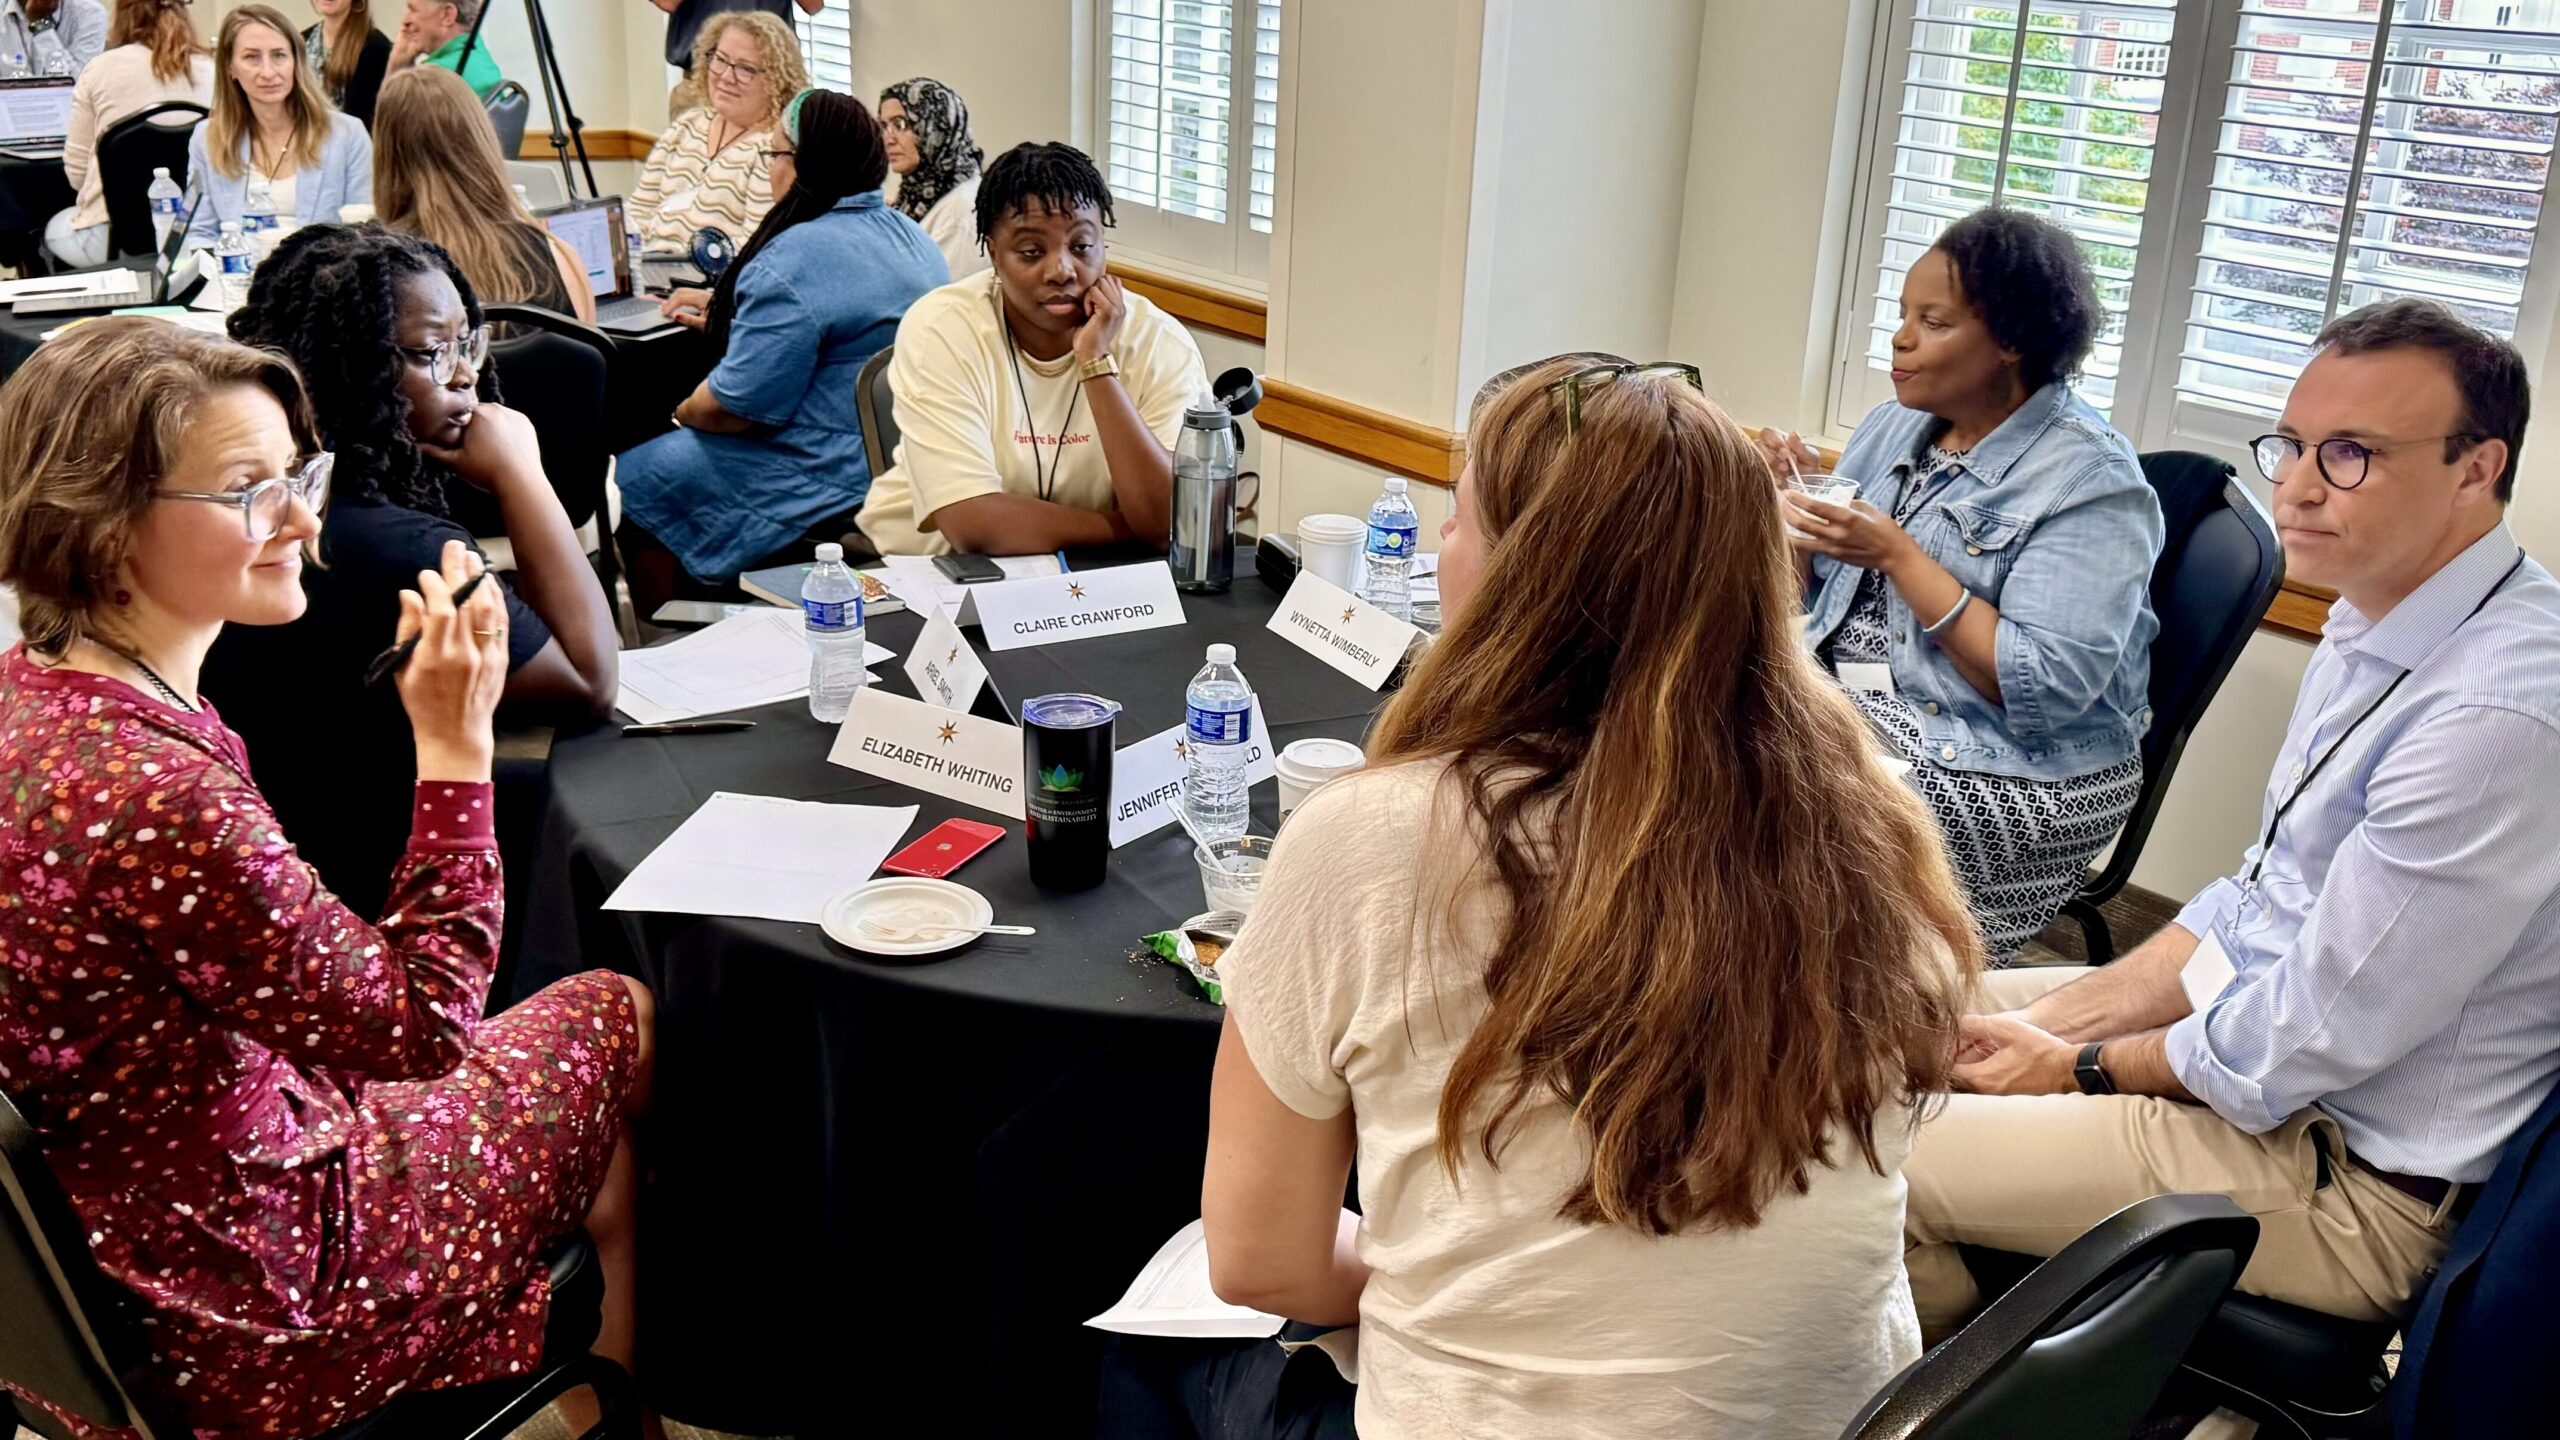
(128, 151)
(874, 406)
(508, 105)
(559, 372)
(2081, 1347)
(77, 1338)
(2217, 574)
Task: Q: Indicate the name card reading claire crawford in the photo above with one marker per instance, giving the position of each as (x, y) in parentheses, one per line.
(1341, 629)
(960, 757)
(1042, 610)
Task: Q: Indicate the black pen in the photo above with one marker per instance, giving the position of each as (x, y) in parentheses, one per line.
(398, 655)
(687, 727)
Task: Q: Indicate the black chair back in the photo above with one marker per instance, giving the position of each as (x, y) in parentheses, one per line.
(2082, 1347)
(71, 1334)
(128, 151)
(2218, 572)
(873, 405)
(508, 105)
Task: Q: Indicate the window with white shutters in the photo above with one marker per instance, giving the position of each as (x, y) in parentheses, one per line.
(1189, 121)
(826, 46)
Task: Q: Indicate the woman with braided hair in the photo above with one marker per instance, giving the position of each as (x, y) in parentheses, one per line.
(390, 337)
(925, 124)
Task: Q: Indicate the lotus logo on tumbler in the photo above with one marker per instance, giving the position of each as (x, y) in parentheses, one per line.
(1059, 779)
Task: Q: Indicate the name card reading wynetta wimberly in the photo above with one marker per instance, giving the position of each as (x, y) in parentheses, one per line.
(961, 757)
(944, 667)
(1341, 629)
(1146, 777)
(1043, 610)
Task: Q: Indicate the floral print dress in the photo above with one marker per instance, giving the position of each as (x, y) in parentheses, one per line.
(288, 1132)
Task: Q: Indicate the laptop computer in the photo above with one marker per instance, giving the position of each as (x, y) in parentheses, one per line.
(593, 230)
(35, 116)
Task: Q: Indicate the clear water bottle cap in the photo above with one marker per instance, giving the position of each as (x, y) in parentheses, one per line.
(1222, 654)
(159, 172)
(830, 553)
(1395, 484)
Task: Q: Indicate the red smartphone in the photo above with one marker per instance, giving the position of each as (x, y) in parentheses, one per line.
(944, 848)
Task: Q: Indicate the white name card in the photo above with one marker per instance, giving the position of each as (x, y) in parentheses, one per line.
(1341, 629)
(944, 666)
(961, 757)
(1017, 614)
(1146, 778)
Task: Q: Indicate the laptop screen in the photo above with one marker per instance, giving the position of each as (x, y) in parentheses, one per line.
(593, 229)
(34, 110)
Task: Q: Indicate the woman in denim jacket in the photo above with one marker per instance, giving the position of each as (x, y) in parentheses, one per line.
(1986, 598)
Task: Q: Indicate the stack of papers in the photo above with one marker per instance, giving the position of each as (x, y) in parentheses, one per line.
(763, 858)
(750, 659)
(915, 580)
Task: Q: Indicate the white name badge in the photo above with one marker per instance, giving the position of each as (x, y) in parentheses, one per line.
(944, 666)
(1341, 629)
(2208, 972)
(1867, 675)
(1017, 614)
(1146, 778)
(961, 757)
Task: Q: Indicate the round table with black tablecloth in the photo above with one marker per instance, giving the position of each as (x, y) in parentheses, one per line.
(20, 335)
(886, 1188)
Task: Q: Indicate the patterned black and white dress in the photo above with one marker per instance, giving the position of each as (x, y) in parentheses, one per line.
(2019, 845)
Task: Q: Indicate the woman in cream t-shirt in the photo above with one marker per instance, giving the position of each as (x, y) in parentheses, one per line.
(997, 396)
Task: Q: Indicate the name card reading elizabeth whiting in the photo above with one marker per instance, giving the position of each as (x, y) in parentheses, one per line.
(961, 757)
(1339, 628)
(1044, 609)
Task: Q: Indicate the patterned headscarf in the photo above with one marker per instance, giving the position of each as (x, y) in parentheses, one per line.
(946, 154)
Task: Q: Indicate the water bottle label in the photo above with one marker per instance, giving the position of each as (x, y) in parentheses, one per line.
(1392, 542)
(1220, 727)
(832, 614)
(235, 263)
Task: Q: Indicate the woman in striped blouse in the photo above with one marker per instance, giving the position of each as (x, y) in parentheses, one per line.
(710, 168)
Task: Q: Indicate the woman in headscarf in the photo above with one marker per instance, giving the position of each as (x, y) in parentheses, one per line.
(926, 125)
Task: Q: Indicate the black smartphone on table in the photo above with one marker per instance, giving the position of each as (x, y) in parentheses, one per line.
(968, 569)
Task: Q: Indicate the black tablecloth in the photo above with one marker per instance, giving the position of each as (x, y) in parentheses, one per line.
(20, 337)
(879, 1179)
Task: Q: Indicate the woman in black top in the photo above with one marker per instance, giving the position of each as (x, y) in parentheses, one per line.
(349, 54)
(389, 338)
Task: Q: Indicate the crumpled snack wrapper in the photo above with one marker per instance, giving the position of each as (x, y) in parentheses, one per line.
(1196, 946)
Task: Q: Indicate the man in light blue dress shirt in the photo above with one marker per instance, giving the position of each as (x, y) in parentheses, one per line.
(2342, 1034)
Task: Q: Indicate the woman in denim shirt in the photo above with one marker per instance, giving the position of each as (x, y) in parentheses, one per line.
(1986, 599)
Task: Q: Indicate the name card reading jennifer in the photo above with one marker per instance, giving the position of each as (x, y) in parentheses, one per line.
(976, 762)
(1146, 778)
(945, 668)
(1017, 614)
(1341, 629)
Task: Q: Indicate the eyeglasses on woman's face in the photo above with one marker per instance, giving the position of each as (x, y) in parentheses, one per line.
(448, 359)
(899, 125)
(1581, 382)
(723, 65)
(265, 505)
(2343, 463)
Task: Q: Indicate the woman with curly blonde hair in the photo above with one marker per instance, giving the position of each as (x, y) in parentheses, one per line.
(710, 170)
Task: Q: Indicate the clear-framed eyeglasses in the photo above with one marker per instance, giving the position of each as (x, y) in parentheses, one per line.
(446, 360)
(265, 505)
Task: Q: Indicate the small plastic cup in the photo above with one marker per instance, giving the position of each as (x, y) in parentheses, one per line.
(1231, 871)
(1817, 485)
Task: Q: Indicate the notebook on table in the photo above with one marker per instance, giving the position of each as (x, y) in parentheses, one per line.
(593, 230)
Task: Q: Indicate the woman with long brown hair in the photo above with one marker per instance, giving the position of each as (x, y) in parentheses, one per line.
(349, 53)
(154, 56)
(1622, 969)
(274, 144)
(437, 174)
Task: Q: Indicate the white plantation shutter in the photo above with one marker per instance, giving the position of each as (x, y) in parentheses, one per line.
(2367, 149)
(826, 46)
(1190, 125)
(1266, 112)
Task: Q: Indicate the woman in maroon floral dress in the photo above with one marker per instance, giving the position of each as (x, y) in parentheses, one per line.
(288, 1131)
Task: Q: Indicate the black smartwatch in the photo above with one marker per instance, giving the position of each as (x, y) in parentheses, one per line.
(2092, 1075)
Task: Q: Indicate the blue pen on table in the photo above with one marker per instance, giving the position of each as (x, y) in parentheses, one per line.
(398, 655)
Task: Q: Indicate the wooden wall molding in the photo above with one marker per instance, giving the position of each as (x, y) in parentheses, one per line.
(601, 145)
(1390, 442)
(1230, 312)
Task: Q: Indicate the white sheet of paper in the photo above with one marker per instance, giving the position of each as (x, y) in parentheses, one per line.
(1867, 675)
(1171, 1296)
(763, 857)
(753, 658)
(912, 578)
(1341, 629)
(944, 667)
(1146, 778)
(1046, 609)
(976, 762)
(48, 287)
(2208, 972)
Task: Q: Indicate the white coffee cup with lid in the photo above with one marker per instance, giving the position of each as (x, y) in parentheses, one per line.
(355, 214)
(1329, 546)
(1307, 764)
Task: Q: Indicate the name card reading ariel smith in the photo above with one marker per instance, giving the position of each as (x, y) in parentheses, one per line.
(1341, 629)
(961, 757)
(1042, 610)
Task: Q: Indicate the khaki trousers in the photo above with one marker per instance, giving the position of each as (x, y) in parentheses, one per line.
(2029, 1173)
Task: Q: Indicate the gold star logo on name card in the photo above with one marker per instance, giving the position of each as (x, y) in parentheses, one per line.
(1181, 748)
(953, 658)
(949, 730)
(1074, 591)
(1347, 612)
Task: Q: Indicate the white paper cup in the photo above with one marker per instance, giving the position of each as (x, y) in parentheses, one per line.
(354, 214)
(1306, 764)
(1836, 489)
(1329, 546)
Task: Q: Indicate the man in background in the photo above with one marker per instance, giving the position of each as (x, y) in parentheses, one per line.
(438, 32)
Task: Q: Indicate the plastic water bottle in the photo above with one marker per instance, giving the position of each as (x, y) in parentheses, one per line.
(165, 197)
(831, 608)
(258, 206)
(634, 248)
(1386, 572)
(231, 249)
(13, 66)
(1219, 705)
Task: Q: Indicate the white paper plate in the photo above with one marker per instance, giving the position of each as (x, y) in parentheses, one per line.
(904, 903)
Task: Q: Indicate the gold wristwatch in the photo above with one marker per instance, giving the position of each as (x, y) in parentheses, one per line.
(1091, 370)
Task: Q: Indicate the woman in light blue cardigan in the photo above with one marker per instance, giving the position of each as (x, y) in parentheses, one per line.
(273, 130)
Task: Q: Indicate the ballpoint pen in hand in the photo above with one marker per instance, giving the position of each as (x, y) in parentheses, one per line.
(398, 655)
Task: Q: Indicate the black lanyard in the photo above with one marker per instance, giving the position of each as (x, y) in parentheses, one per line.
(1043, 482)
(2266, 842)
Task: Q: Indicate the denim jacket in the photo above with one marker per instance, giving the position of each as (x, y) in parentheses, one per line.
(2051, 520)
